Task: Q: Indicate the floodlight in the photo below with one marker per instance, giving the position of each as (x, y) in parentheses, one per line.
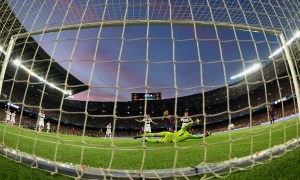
(69, 93)
(297, 34)
(289, 42)
(17, 62)
(253, 68)
(30, 72)
(41, 78)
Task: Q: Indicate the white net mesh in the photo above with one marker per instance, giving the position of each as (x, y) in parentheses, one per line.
(230, 64)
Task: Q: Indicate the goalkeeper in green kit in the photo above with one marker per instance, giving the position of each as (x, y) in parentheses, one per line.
(168, 137)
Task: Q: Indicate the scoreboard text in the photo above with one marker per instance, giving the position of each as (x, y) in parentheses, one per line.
(148, 96)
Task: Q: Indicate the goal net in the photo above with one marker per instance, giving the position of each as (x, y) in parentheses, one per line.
(73, 70)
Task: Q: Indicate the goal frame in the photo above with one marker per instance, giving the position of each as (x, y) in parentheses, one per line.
(78, 171)
(205, 168)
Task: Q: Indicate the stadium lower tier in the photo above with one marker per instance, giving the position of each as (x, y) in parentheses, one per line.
(130, 128)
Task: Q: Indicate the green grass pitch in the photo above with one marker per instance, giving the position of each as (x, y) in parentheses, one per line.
(124, 153)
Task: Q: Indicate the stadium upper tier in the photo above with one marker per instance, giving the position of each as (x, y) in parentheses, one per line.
(34, 58)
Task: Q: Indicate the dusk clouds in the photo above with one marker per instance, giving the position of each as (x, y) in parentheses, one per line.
(107, 63)
(124, 58)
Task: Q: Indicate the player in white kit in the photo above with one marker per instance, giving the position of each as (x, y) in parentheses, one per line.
(108, 130)
(148, 121)
(8, 114)
(147, 127)
(41, 120)
(48, 126)
(185, 119)
(13, 118)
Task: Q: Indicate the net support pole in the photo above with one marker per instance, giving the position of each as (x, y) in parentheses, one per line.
(292, 68)
(5, 62)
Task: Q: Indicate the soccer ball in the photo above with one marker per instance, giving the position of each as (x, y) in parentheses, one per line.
(231, 127)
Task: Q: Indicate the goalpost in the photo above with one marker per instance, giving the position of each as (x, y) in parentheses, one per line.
(226, 62)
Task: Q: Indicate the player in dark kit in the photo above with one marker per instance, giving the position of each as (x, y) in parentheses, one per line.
(142, 131)
(168, 121)
(272, 114)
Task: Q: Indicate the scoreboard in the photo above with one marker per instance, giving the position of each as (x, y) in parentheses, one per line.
(148, 96)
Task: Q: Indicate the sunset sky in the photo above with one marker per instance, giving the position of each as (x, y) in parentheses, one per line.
(219, 49)
(160, 67)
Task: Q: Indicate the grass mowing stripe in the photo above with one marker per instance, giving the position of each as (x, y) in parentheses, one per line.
(16, 134)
